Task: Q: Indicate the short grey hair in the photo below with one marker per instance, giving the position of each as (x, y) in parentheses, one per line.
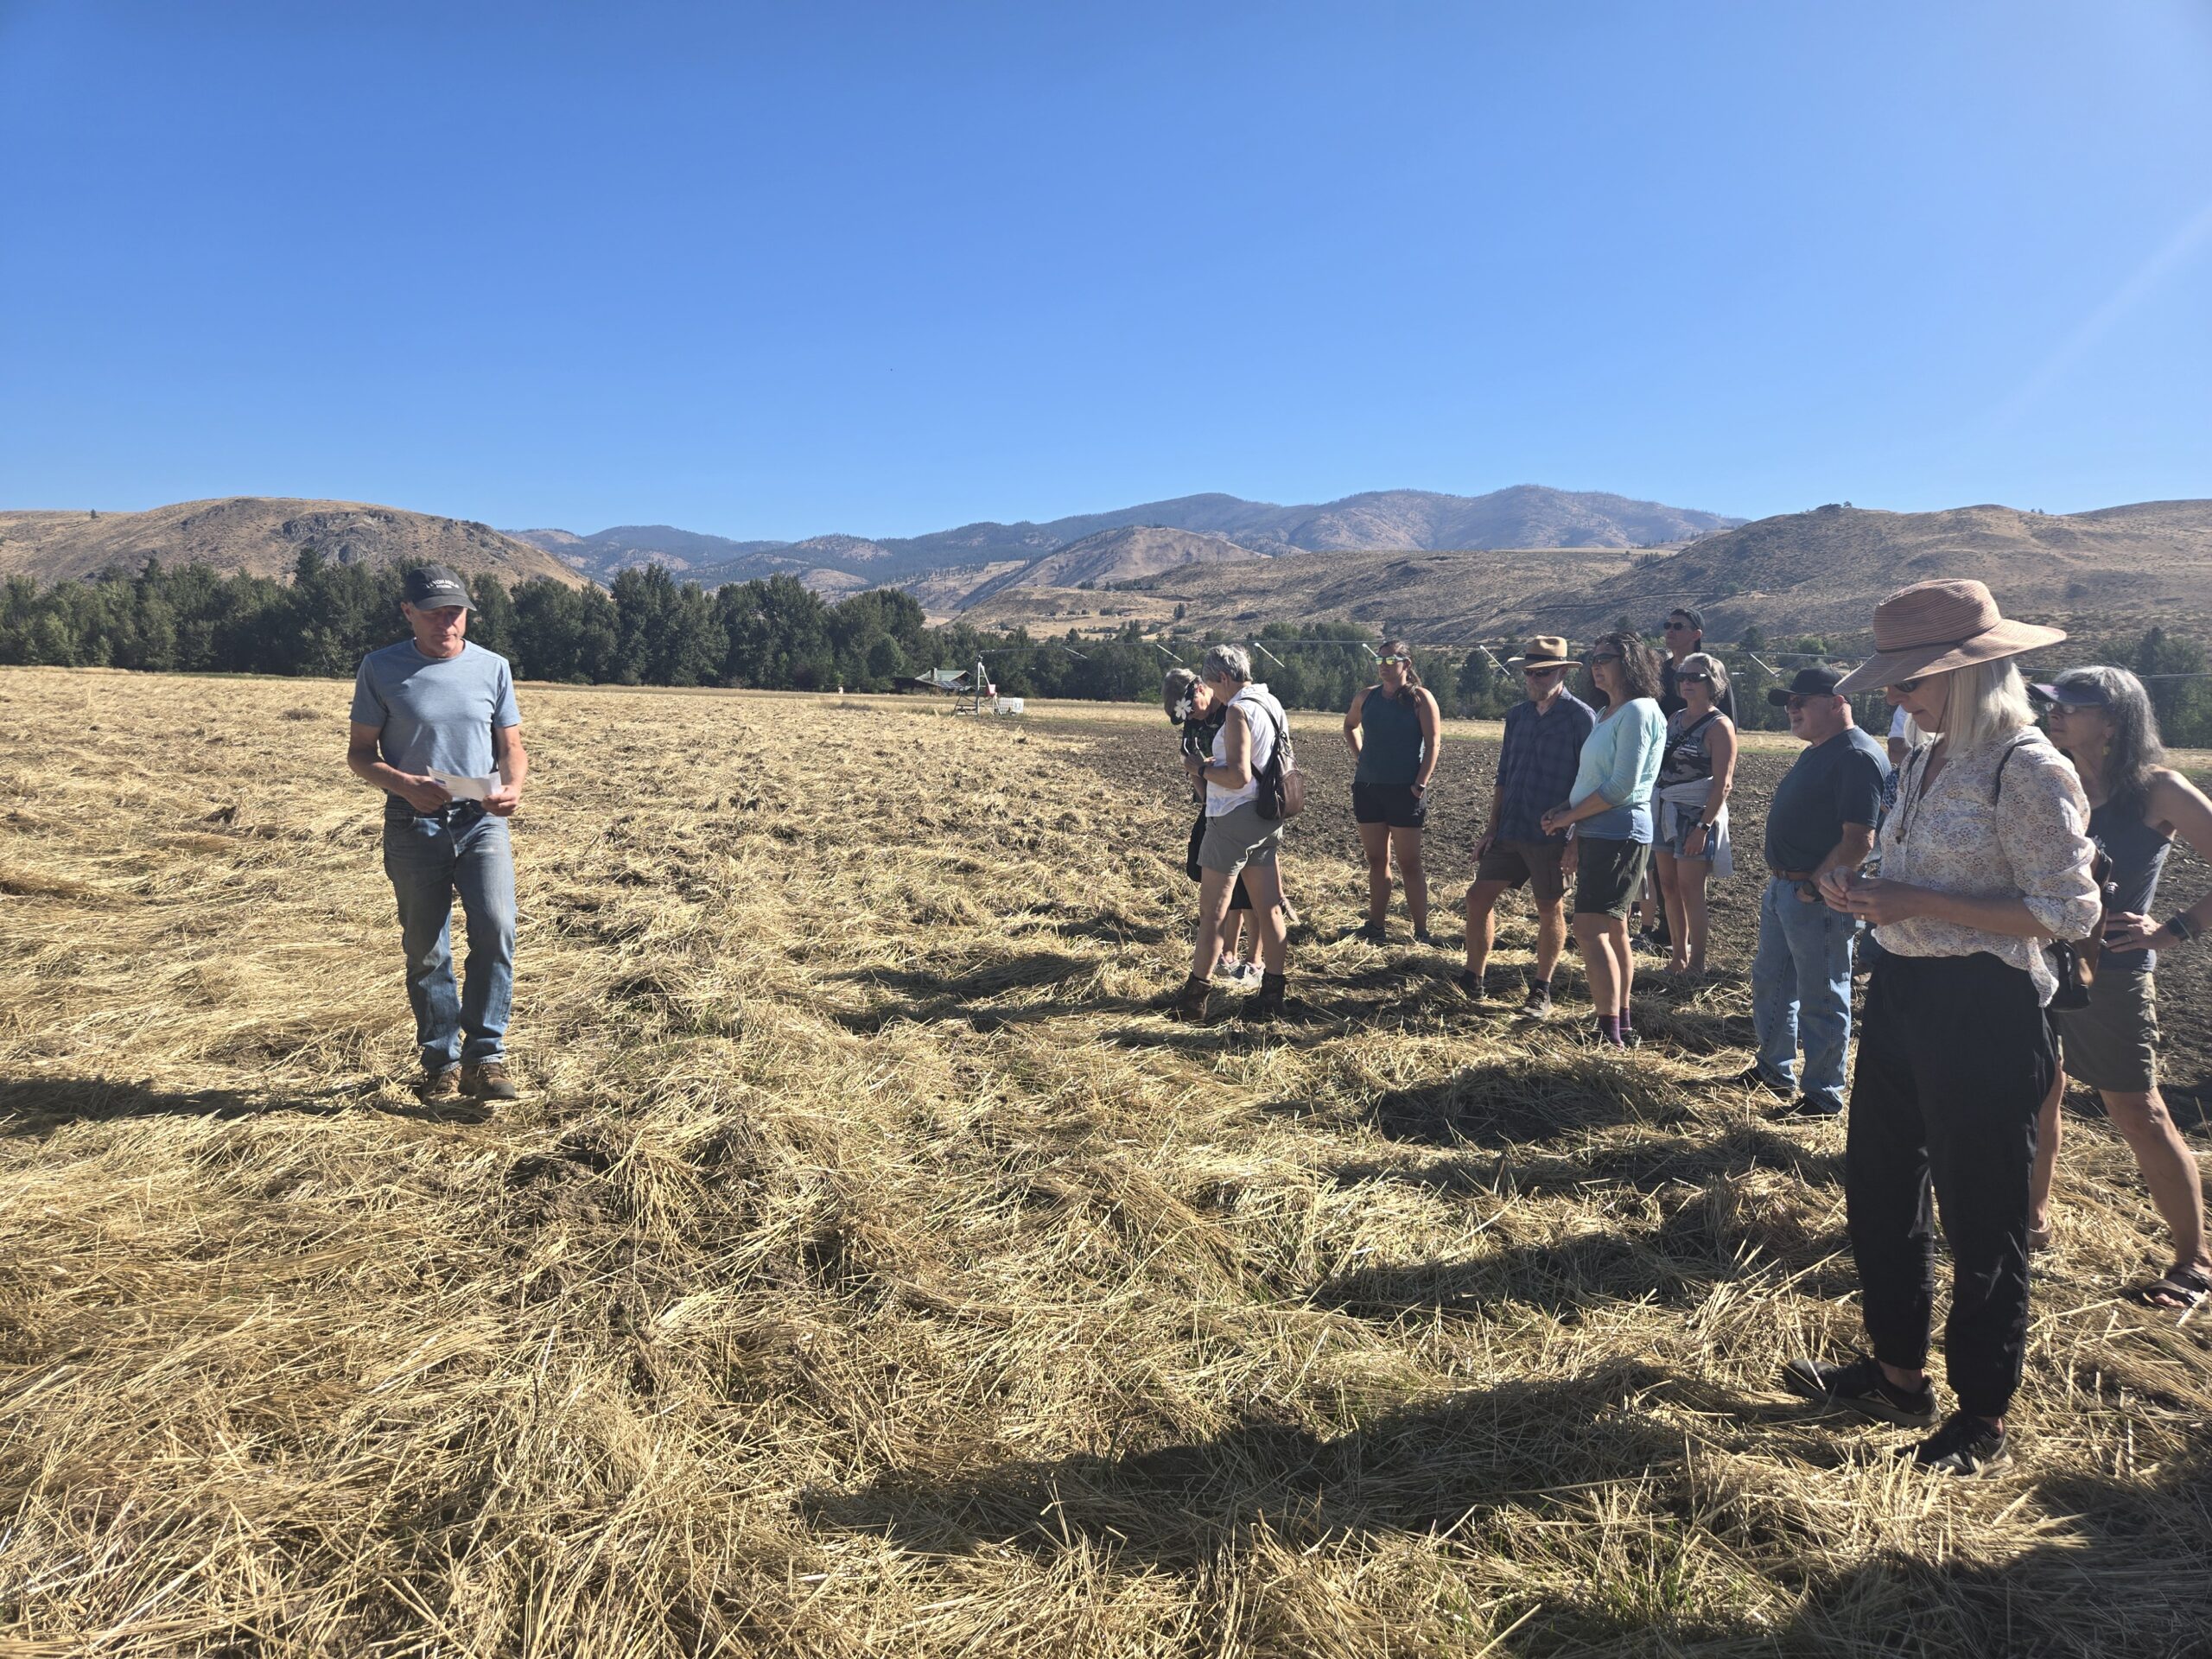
(1227, 663)
(1702, 662)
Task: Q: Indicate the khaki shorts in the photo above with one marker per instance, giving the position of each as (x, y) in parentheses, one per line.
(1239, 837)
(2114, 1043)
(1533, 862)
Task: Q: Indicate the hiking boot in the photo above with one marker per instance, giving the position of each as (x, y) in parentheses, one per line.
(1422, 936)
(1373, 933)
(1190, 1002)
(1265, 1004)
(1966, 1445)
(489, 1082)
(1539, 1005)
(440, 1085)
(1862, 1386)
(1471, 985)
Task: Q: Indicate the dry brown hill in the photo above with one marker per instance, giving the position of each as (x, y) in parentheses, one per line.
(1821, 571)
(263, 535)
(1817, 572)
(1124, 555)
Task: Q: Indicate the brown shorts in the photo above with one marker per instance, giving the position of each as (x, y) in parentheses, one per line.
(1534, 862)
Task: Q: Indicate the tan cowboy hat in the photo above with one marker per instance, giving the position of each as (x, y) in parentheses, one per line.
(1544, 650)
(1933, 627)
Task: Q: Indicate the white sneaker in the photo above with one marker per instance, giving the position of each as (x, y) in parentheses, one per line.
(1240, 973)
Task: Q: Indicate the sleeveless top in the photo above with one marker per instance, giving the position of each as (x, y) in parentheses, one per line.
(2138, 858)
(1685, 759)
(1262, 716)
(1390, 741)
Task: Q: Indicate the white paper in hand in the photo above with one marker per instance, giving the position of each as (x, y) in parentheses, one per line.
(465, 789)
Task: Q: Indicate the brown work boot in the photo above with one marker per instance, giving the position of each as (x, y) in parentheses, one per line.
(440, 1085)
(489, 1082)
(1190, 1002)
(1266, 1008)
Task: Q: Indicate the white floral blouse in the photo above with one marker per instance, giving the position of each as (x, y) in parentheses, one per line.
(1970, 833)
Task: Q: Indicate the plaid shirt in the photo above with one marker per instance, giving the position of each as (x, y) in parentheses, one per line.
(1536, 767)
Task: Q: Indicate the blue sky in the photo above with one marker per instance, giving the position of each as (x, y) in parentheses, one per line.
(775, 271)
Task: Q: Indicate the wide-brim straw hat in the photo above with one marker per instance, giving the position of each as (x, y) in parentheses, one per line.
(1544, 651)
(1933, 627)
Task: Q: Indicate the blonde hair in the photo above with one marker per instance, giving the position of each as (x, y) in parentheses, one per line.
(1985, 702)
(1702, 662)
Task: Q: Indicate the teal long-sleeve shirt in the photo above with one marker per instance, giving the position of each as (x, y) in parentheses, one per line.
(1620, 761)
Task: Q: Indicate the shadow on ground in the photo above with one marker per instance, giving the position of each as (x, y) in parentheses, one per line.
(38, 1106)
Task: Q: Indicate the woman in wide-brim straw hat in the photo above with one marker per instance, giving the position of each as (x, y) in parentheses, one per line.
(1984, 858)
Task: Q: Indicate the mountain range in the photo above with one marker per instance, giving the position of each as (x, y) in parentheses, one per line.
(1526, 515)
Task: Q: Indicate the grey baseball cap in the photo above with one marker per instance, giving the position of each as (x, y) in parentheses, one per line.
(434, 587)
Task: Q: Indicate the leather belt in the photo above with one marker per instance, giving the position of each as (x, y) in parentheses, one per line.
(1788, 875)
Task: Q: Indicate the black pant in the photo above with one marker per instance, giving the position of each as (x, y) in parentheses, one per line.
(1955, 1058)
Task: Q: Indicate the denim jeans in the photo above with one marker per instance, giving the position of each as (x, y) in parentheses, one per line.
(462, 849)
(1800, 981)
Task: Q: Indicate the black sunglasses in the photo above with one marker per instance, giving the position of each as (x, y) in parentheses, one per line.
(1906, 686)
(1542, 673)
(1603, 656)
(1676, 627)
(1697, 679)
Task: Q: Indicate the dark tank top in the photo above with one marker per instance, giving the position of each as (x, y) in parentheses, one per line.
(1389, 742)
(2139, 858)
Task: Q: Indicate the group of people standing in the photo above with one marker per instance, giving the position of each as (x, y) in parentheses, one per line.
(2003, 882)
(1963, 881)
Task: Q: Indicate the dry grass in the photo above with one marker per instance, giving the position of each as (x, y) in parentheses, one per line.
(872, 1272)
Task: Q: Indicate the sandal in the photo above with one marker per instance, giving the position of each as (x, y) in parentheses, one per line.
(2178, 1290)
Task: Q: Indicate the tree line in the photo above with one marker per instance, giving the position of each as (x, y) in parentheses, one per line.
(651, 629)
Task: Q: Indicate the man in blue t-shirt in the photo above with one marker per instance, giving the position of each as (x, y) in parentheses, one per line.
(1822, 818)
(434, 726)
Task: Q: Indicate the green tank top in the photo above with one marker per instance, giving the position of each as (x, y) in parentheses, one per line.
(1390, 743)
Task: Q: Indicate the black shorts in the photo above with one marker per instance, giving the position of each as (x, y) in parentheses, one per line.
(1608, 874)
(1394, 805)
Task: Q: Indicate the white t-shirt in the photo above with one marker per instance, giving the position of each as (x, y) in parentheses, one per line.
(1256, 707)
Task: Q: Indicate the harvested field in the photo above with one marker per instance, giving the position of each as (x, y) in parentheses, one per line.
(872, 1270)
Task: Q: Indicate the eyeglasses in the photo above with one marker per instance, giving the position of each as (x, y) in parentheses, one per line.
(1676, 627)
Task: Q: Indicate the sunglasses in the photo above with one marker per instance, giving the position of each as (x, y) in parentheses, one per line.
(1543, 673)
(1908, 686)
(1799, 700)
(1400, 661)
(1695, 679)
(1604, 657)
(1675, 628)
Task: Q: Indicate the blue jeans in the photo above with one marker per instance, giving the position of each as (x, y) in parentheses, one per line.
(1800, 981)
(463, 850)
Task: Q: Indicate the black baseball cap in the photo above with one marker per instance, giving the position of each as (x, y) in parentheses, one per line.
(1809, 682)
(434, 587)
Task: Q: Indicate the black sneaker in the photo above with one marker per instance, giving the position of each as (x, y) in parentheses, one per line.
(1373, 933)
(1471, 985)
(1966, 1445)
(1422, 936)
(1631, 1037)
(1539, 1005)
(1755, 1078)
(1861, 1386)
(1806, 1106)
